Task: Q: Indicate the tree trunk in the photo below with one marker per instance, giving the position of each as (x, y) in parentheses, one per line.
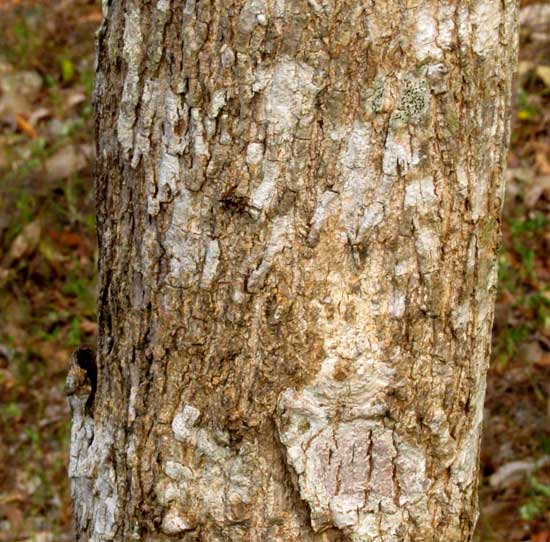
(298, 216)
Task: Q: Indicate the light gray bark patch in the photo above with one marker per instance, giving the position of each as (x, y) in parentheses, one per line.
(211, 262)
(253, 13)
(373, 216)
(350, 466)
(133, 55)
(321, 7)
(289, 96)
(428, 248)
(420, 194)
(359, 176)
(164, 5)
(264, 195)
(93, 479)
(149, 102)
(397, 151)
(434, 30)
(280, 237)
(163, 175)
(183, 241)
(217, 103)
(205, 480)
(326, 206)
(254, 153)
(486, 20)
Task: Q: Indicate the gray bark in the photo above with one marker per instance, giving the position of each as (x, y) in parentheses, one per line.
(298, 214)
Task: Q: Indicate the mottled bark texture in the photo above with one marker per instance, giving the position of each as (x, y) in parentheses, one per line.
(298, 213)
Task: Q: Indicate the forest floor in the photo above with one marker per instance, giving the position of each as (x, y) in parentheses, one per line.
(48, 259)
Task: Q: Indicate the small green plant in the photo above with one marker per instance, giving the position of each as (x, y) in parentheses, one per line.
(87, 81)
(539, 303)
(23, 43)
(67, 70)
(10, 411)
(538, 502)
(545, 444)
(526, 111)
(74, 336)
(83, 290)
(34, 437)
(533, 224)
(507, 278)
(23, 368)
(508, 341)
(524, 231)
(25, 204)
(49, 335)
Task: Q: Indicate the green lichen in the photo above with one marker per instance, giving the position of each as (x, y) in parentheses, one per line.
(452, 121)
(415, 99)
(399, 119)
(414, 103)
(377, 99)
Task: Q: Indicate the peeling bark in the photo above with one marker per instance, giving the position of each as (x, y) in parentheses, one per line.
(298, 216)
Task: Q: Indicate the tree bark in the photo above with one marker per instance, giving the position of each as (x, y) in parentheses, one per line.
(298, 214)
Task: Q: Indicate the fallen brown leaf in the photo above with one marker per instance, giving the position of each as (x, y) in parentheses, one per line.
(93, 17)
(7, 380)
(542, 162)
(65, 162)
(543, 73)
(39, 114)
(66, 238)
(15, 516)
(25, 243)
(16, 496)
(536, 189)
(88, 327)
(56, 356)
(25, 126)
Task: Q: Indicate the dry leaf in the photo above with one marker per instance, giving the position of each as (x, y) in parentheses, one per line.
(25, 126)
(542, 163)
(534, 20)
(64, 163)
(39, 114)
(524, 67)
(88, 327)
(531, 352)
(543, 72)
(7, 380)
(66, 238)
(5, 276)
(51, 254)
(93, 17)
(536, 189)
(15, 516)
(25, 243)
(18, 91)
(56, 357)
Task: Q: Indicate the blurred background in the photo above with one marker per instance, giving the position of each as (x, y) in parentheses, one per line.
(48, 264)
